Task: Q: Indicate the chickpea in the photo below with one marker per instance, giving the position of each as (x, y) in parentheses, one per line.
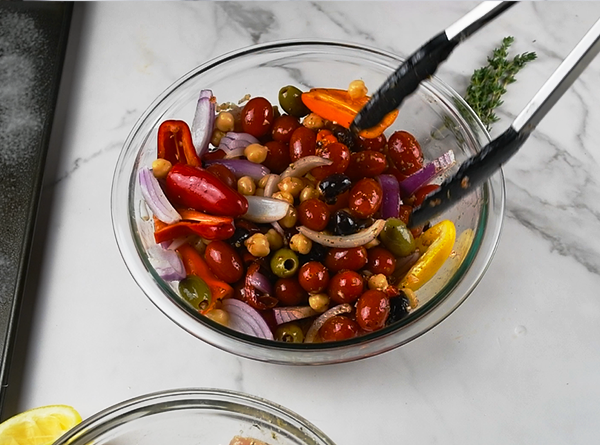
(246, 186)
(308, 192)
(378, 282)
(357, 89)
(256, 153)
(219, 315)
(300, 243)
(224, 121)
(313, 121)
(262, 182)
(291, 185)
(319, 302)
(284, 196)
(160, 168)
(290, 219)
(216, 137)
(258, 245)
(275, 239)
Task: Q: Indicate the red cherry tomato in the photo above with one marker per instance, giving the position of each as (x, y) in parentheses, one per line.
(278, 156)
(338, 328)
(224, 261)
(283, 127)
(377, 144)
(257, 117)
(337, 153)
(313, 277)
(372, 310)
(314, 214)
(422, 192)
(325, 137)
(302, 143)
(289, 292)
(224, 174)
(365, 198)
(405, 152)
(346, 287)
(366, 164)
(354, 258)
(380, 260)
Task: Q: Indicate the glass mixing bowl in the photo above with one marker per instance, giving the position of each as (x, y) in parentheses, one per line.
(436, 115)
(192, 417)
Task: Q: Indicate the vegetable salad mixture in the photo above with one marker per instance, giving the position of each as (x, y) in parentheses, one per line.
(277, 221)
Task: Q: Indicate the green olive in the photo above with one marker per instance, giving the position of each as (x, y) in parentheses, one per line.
(290, 99)
(397, 238)
(289, 333)
(284, 263)
(195, 291)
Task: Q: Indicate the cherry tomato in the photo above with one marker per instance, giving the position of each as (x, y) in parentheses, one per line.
(325, 137)
(283, 127)
(224, 261)
(405, 212)
(339, 328)
(313, 277)
(289, 292)
(346, 287)
(337, 153)
(380, 260)
(405, 152)
(353, 258)
(372, 310)
(422, 192)
(224, 174)
(212, 155)
(278, 156)
(365, 198)
(366, 164)
(302, 143)
(314, 214)
(377, 144)
(257, 117)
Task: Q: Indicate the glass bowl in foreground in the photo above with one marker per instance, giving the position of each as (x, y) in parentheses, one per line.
(436, 115)
(194, 416)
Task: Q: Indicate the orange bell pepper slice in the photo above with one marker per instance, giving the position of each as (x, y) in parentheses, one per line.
(196, 265)
(338, 106)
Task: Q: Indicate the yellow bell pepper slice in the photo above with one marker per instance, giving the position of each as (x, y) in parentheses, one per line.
(338, 106)
(436, 243)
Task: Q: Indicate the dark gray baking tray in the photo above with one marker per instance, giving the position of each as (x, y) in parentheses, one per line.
(33, 41)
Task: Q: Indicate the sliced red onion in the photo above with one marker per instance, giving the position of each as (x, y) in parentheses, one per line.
(390, 205)
(155, 197)
(292, 313)
(313, 331)
(303, 165)
(271, 184)
(167, 263)
(357, 239)
(426, 174)
(265, 210)
(278, 229)
(260, 282)
(242, 167)
(204, 121)
(234, 144)
(404, 263)
(242, 314)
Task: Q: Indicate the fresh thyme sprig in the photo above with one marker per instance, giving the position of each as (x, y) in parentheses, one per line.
(488, 84)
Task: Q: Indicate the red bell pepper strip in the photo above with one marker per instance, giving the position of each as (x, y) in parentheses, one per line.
(175, 143)
(201, 190)
(206, 226)
(196, 265)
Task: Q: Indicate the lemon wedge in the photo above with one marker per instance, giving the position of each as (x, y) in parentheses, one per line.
(436, 243)
(38, 426)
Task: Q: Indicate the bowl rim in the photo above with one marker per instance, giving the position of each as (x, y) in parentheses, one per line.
(322, 353)
(175, 399)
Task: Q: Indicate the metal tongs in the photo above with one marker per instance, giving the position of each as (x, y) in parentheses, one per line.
(424, 62)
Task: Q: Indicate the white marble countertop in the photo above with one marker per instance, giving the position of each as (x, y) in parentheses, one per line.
(516, 363)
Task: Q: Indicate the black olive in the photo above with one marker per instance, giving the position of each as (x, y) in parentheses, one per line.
(398, 308)
(344, 136)
(317, 252)
(239, 236)
(334, 185)
(342, 223)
